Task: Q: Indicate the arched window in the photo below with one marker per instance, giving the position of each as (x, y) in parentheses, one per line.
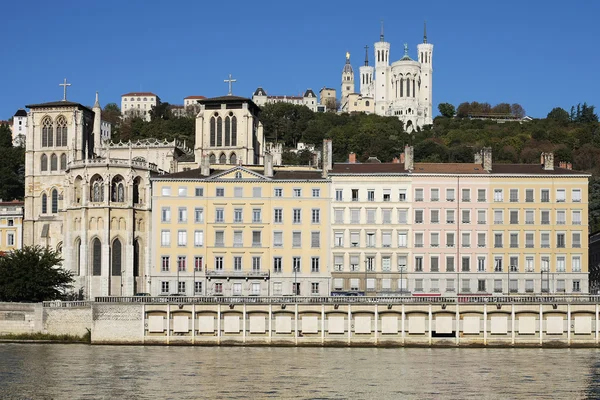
(238, 175)
(61, 131)
(96, 257)
(233, 159)
(222, 159)
(136, 190)
(97, 190)
(44, 203)
(212, 159)
(115, 256)
(117, 190)
(219, 132)
(54, 201)
(413, 92)
(228, 131)
(53, 162)
(407, 87)
(78, 257)
(44, 162)
(212, 131)
(234, 131)
(47, 132)
(136, 258)
(63, 161)
(401, 87)
(367, 103)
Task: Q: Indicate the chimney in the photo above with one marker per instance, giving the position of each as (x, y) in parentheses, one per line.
(352, 158)
(548, 159)
(396, 160)
(327, 157)
(268, 158)
(562, 164)
(478, 159)
(409, 158)
(569, 165)
(205, 165)
(401, 158)
(487, 158)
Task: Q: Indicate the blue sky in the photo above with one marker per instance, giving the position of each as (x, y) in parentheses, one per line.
(541, 54)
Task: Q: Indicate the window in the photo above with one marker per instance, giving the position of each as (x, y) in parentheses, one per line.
(370, 216)
(339, 195)
(514, 216)
(166, 191)
(402, 261)
(498, 217)
(560, 240)
(219, 263)
(514, 195)
(466, 216)
(434, 264)
(576, 218)
(576, 195)
(545, 217)
(529, 195)
(418, 240)
(164, 287)
(576, 285)
(297, 215)
(449, 194)
(402, 195)
(370, 263)
(480, 264)
(199, 192)
(466, 195)
(418, 264)
(450, 239)
(354, 216)
(561, 195)
(315, 239)
(44, 163)
(466, 264)
(418, 216)
(435, 194)
(418, 194)
(435, 216)
(297, 192)
(545, 264)
(181, 263)
(370, 239)
(182, 214)
(481, 285)
(296, 264)
(386, 239)
(338, 263)
(481, 195)
(181, 238)
(165, 214)
(220, 192)
(277, 265)
(238, 215)
(47, 132)
(402, 239)
(54, 198)
(354, 194)
(198, 262)
(316, 215)
(238, 239)
(434, 239)
(278, 215)
(278, 192)
(316, 193)
(257, 192)
(498, 242)
(576, 264)
(498, 264)
(314, 264)
(198, 238)
(481, 239)
(198, 215)
(370, 195)
(449, 216)
(314, 288)
(197, 287)
(354, 238)
(387, 194)
(466, 286)
(560, 264)
(402, 216)
(257, 215)
(529, 217)
(498, 195)
(576, 240)
(354, 263)
(386, 216)
(219, 215)
(237, 263)
(466, 239)
(10, 239)
(238, 192)
(450, 285)
(219, 239)
(514, 240)
(338, 216)
(182, 191)
(386, 263)
(545, 240)
(545, 195)
(165, 261)
(256, 239)
(297, 239)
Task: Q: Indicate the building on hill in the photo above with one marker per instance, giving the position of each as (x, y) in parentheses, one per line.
(138, 104)
(402, 89)
(328, 98)
(11, 225)
(309, 99)
(19, 128)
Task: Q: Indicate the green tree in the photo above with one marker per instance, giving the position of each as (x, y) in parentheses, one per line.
(447, 110)
(32, 274)
(559, 115)
(5, 136)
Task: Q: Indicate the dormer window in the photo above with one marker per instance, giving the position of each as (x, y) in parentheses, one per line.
(238, 175)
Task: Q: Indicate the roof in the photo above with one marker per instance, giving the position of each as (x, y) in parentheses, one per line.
(229, 99)
(21, 113)
(13, 203)
(309, 93)
(347, 69)
(371, 168)
(259, 92)
(327, 88)
(532, 169)
(139, 94)
(286, 97)
(194, 97)
(194, 174)
(61, 103)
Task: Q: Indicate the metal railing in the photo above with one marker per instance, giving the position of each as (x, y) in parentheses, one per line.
(65, 304)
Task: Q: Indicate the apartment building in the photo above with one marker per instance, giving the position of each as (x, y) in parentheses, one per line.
(11, 225)
(138, 104)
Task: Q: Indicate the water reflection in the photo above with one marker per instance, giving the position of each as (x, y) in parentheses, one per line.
(108, 372)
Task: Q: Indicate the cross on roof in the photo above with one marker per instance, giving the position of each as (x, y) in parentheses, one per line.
(230, 81)
(64, 85)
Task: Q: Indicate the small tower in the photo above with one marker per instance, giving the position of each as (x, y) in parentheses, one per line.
(97, 125)
(347, 82)
(382, 72)
(19, 128)
(366, 76)
(425, 51)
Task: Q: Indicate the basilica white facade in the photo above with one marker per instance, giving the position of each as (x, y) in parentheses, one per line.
(401, 88)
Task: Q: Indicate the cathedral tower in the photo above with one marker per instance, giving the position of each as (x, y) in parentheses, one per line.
(366, 76)
(347, 83)
(382, 71)
(97, 124)
(425, 51)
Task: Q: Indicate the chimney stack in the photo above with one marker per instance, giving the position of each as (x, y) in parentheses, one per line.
(401, 158)
(327, 157)
(569, 165)
(352, 158)
(396, 160)
(478, 159)
(548, 161)
(409, 162)
(268, 159)
(487, 158)
(205, 165)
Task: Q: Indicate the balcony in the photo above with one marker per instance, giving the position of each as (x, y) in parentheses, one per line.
(237, 274)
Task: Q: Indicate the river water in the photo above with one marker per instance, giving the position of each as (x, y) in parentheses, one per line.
(56, 371)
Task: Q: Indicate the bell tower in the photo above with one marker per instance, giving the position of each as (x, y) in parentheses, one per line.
(382, 73)
(425, 51)
(347, 83)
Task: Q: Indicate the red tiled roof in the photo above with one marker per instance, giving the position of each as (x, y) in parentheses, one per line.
(194, 97)
(139, 94)
(12, 203)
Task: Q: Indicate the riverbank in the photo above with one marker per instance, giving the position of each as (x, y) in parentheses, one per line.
(40, 337)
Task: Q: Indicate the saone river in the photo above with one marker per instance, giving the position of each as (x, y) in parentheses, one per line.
(55, 371)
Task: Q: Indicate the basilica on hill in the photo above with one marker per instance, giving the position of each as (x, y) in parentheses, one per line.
(90, 198)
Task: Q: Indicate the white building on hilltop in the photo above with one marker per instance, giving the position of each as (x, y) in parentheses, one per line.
(402, 88)
(309, 99)
(19, 128)
(138, 104)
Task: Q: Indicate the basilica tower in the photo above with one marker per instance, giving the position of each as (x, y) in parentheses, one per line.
(366, 76)
(347, 83)
(382, 72)
(425, 51)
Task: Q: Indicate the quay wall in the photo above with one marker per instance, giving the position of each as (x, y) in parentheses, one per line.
(381, 322)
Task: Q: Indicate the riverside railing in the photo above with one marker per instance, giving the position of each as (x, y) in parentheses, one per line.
(550, 299)
(66, 304)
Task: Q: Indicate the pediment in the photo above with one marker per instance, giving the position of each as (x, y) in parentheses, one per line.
(238, 173)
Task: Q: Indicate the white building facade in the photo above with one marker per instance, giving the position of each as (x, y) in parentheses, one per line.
(138, 104)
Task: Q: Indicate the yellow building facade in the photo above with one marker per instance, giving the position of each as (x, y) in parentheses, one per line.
(11, 225)
(240, 231)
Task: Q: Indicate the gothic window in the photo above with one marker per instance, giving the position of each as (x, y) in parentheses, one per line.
(97, 190)
(413, 92)
(44, 163)
(136, 190)
(407, 87)
(136, 258)
(234, 131)
(54, 201)
(219, 132)
(61, 131)
(44, 203)
(401, 87)
(212, 159)
(53, 162)
(47, 132)
(96, 257)
(212, 131)
(78, 256)
(117, 190)
(222, 159)
(115, 256)
(367, 103)
(227, 131)
(233, 159)
(63, 162)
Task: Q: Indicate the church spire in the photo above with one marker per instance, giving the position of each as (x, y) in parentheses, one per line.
(366, 56)
(381, 34)
(425, 32)
(97, 103)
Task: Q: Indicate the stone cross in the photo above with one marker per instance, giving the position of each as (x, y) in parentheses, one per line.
(230, 81)
(64, 85)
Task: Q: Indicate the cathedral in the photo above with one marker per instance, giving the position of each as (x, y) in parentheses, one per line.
(401, 88)
(90, 198)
